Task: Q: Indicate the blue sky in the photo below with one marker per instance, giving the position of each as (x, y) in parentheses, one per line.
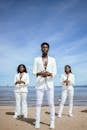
(25, 24)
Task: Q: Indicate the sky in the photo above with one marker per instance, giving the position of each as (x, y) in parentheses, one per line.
(25, 24)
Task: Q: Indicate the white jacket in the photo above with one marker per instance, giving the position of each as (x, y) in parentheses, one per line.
(22, 87)
(71, 78)
(38, 67)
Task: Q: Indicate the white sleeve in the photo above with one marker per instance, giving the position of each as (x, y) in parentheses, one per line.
(72, 80)
(27, 79)
(15, 78)
(54, 68)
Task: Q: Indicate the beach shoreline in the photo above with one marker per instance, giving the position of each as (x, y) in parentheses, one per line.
(78, 121)
(7, 96)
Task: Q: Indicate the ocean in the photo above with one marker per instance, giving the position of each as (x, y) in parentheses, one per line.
(7, 97)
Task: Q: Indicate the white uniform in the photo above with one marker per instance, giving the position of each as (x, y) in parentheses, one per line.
(67, 91)
(44, 84)
(21, 91)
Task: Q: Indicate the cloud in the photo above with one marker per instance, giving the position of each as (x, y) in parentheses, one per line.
(24, 26)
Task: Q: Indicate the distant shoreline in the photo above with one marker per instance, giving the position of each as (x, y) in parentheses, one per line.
(7, 96)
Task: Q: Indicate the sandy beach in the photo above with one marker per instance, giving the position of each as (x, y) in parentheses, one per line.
(77, 122)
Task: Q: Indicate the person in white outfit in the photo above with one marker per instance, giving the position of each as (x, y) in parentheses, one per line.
(67, 80)
(45, 70)
(21, 82)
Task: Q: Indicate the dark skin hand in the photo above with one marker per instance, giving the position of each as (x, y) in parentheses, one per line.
(19, 82)
(66, 81)
(44, 74)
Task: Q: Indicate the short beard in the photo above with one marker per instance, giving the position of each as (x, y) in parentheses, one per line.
(44, 54)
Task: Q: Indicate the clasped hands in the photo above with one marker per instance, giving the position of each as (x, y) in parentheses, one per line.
(44, 74)
(19, 82)
(66, 82)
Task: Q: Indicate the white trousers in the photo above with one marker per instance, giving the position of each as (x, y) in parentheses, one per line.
(50, 96)
(67, 93)
(21, 103)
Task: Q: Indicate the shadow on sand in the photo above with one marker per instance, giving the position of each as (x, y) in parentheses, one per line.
(84, 111)
(28, 120)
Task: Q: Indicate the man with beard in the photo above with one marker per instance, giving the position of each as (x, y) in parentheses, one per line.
(45, 70)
